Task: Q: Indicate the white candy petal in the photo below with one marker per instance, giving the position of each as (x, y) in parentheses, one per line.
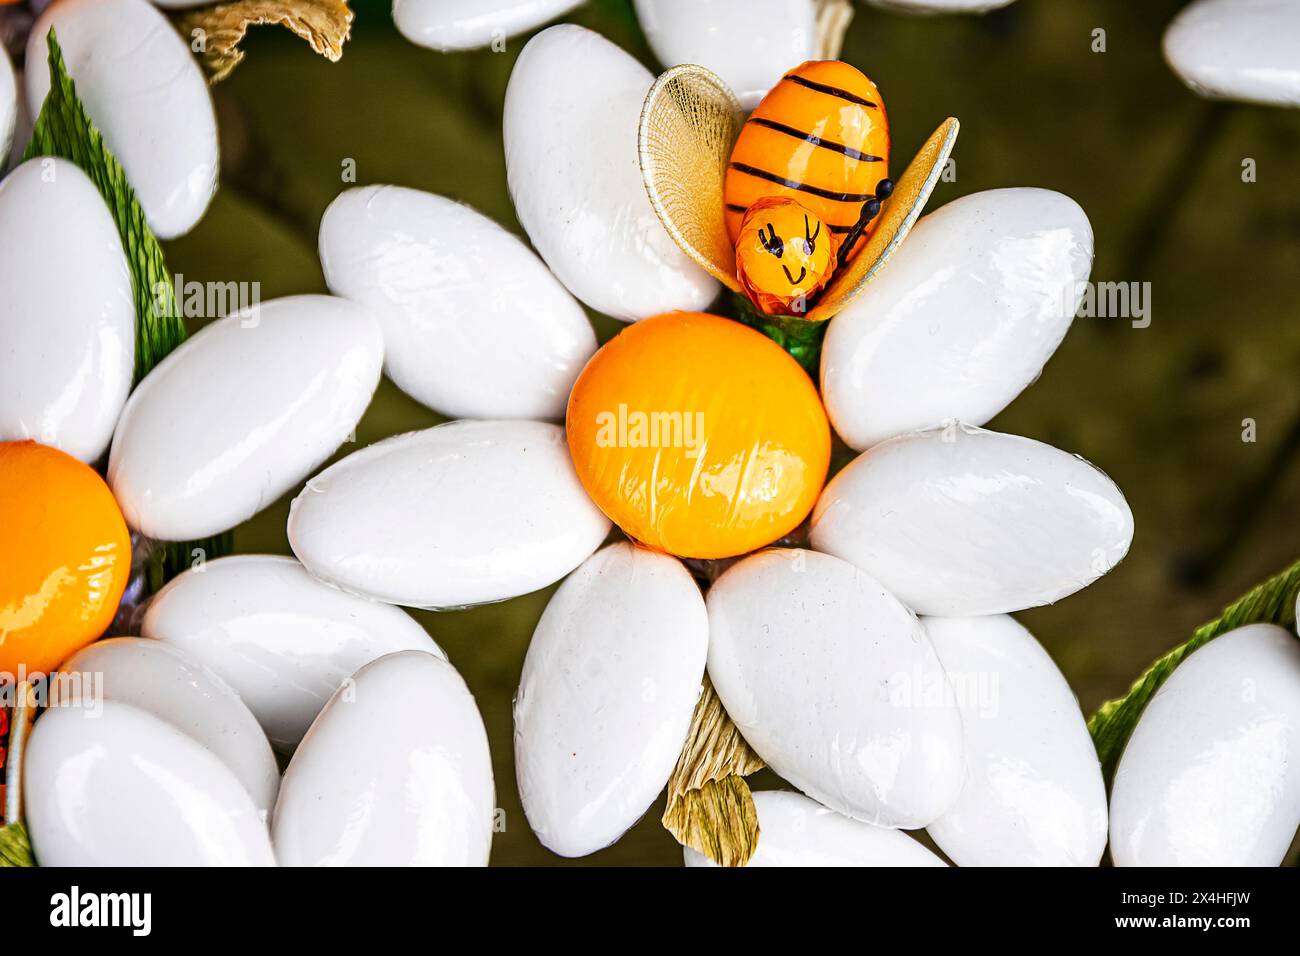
(1034, 794)
(1211, 775)
(836, 686)
(796, 831)
(469, 24)
(961, 522)
(464, 513)
(608, 688)
(127, 789)
(940, 6)
(162, 681)
(67, 318)
(571, 115)
(750, 44)
(475, 326)
(278, 636)
(1238, 49)
(242, 412)
(394, 772)
(8, 105)
(144, 91)
(969, 310)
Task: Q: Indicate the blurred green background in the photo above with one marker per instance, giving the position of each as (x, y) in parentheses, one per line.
(1157, 169)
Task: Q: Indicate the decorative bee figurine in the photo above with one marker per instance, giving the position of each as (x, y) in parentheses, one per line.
(791, 208)
(814, 156)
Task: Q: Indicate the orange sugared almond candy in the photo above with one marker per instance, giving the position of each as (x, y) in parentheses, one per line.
(65, 557)
(698, 436)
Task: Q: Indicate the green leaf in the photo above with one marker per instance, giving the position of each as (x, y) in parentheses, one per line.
(799, 337)
(64, 129)
(1272, 602)
(15, 847)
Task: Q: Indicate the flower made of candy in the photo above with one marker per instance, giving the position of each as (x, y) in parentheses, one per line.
(700, 438)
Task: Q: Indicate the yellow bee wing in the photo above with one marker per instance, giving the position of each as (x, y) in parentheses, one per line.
(689, 124)
(897, 217)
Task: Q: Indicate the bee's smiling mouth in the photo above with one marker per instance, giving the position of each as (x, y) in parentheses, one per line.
(803, 271)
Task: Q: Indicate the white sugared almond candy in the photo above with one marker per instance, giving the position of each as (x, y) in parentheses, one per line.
(1211, 774)
(469, 24)
(608, 688)
(67, 318)
(1238, 49)
(282, 639)
(958, 522)
(459, 514)
(394, 772)
(1033, 794)
(834, 683)
(971, 307)
(475, 325)
(571, 115)
(748, 43)
(8, 105)
(126, 788)
(796, 831)
(241, 412)
(164, 682)
(940, 6)
(145, 92)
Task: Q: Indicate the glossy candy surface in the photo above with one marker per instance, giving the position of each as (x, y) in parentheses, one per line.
(65, 556)
(67, 317)
(128, 789)
(747, 43)
(1033, 794)
(394, 772)
(972, 306)
(468, 24)
(464, 513)
(698, 436)
(835, 685)
(571, 116)
(1211, 774)
(8, 105)
(796, 831)
(959, 522)
(161, 681)
(1238, 49)
(608, 688)
(241, 412)
(278, 636)
(156, 115)
(475, 325)
(784, 256)
(821, 137)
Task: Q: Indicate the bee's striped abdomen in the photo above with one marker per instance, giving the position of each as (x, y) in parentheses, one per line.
(820, 137)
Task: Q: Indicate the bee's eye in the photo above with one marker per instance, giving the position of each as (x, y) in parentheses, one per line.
(810, 241)
(771, 242)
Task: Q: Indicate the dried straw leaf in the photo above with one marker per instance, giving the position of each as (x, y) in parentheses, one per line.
(897, 217)
(324, 24)
(689, 123)
(710, 808)
(833, 18)
(20, 724)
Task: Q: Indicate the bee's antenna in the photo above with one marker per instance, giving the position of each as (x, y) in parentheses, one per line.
(870, 209)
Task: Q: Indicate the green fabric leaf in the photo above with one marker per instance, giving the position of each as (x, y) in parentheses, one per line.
(64, 129)
(1272, 602)
(15, 847)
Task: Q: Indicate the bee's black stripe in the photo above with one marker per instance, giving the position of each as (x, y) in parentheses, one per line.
(838, 230)
(816, 140)
(737, 208)
(795, 184)
(831, 91)
(841, 230)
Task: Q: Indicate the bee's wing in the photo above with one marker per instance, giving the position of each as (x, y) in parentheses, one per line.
(689, 124)
(897, 216)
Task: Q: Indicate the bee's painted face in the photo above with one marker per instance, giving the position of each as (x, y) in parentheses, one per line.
(784, 254)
